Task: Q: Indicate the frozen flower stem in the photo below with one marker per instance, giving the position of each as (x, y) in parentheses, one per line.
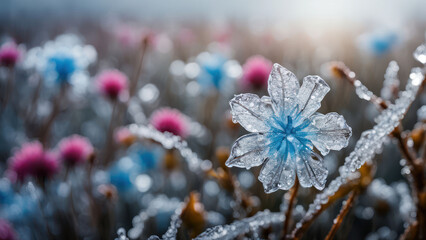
(343, 212)
(416, 166)
(285, 129)
(9, 87)
(290, 209)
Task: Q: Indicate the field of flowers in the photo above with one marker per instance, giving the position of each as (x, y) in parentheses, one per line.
(120, 129)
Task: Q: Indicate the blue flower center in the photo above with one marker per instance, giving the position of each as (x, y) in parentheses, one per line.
(288, 135)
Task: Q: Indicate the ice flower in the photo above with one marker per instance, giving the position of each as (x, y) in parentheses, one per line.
(75, 150)
(31, 160)
(256, 72)
(170, 120)
(63, 60)
(6, 231)
(9, 54)
(285, 128)
(112, 83)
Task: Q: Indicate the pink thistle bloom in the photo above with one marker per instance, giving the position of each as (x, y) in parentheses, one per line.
(75, 149)
(6, 231)
(256, 72)
(32, 160)
(9, 54)
(112, 83)
(170, 120)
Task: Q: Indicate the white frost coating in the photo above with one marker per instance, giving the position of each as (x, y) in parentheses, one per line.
(159, 204)
(260, 220)
(175, 224)
(371, 141)
(169, 141)
(420, 53)
(391, 82)
(421, 113)
(362, 91)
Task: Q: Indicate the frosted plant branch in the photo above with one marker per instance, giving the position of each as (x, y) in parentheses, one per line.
(175, 224)
(369, 144)
(170, 141)
(342, 71)
(391, 83)
(260, 220)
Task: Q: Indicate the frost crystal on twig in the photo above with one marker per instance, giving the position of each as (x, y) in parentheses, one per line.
(260, 220)
(175, 223)
(371, 141)
(285, 129)
(170, 141)
(391, 83)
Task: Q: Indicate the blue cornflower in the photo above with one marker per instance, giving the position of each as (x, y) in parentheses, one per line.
(378, 42)
(63, 60)
(62, 66)
(285, 129)
(216, 71)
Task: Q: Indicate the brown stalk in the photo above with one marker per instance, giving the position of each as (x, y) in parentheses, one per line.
(343, 212)
(290, 208)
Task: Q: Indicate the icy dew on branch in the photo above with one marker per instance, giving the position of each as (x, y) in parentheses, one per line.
(170, 141)
(285, 128)
(371, 140)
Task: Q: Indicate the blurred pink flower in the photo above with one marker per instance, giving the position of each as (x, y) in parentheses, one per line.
(256, 72)
(112, 83)
(9, 54)
(32, 160)
(75, 149)
(170, 120)
(6, 231)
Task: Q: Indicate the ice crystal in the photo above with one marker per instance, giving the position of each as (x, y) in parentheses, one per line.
(252, 224)
(391, 83)
(285, 129)
(421, 113)
(371, 141)
(420, 53)
(170, 141)
(175, 224)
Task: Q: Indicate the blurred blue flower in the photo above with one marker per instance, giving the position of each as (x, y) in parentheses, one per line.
(63, 60)
(147, 158)
(379, 42)
(216, 71)
(123, 173)
(62, 65)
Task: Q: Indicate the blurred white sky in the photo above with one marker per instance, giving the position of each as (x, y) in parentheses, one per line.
(388, 12)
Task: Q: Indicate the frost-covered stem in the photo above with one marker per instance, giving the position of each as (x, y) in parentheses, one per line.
(175, 224)
(410, 232)
(287, 218)
(343, 212)
(342, 71)
(304, 224)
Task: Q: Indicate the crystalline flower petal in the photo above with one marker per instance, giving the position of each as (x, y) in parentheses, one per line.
(248, 151)
(311, 172)
(310, 95)
(278, 173)
(251, 112)
(283, 87)
(332, 132)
